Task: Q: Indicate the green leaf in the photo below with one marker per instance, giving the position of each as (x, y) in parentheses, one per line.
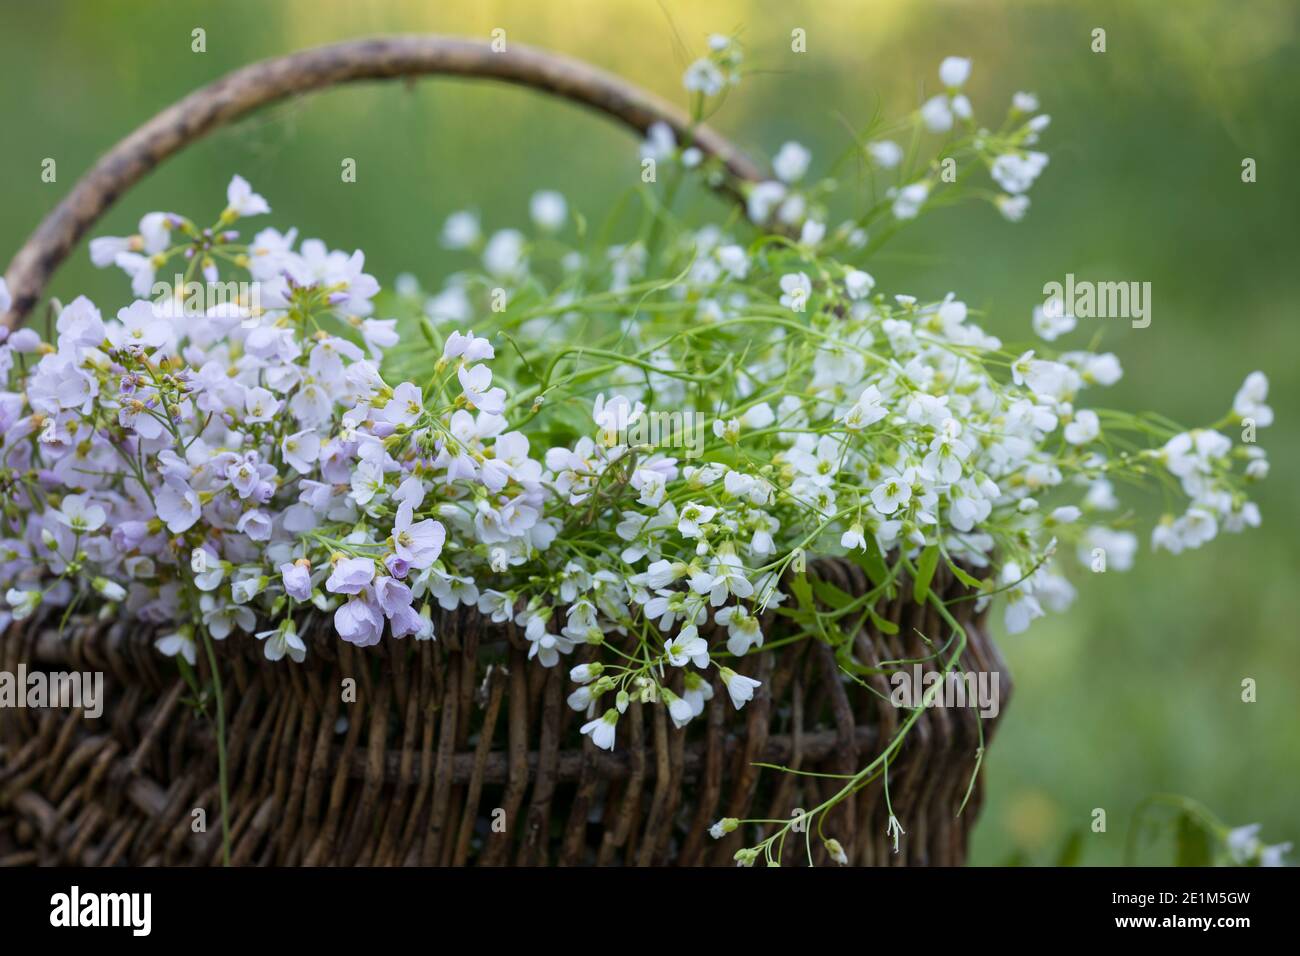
(925, 573)
(871, 562)
(1071, 850)
(882, 625)
(830, 595)
(802, 591)
(1193, 842)
(960, 575)
(187, 672)
(430, 334)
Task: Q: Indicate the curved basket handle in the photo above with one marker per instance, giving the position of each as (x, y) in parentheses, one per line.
(269, 81)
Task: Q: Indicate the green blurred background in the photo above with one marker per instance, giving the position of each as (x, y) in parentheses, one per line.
(1137, 690)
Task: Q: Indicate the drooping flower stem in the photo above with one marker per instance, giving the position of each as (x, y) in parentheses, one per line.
(222, 771)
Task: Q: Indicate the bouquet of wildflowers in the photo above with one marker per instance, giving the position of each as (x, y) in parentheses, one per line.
(639, 446)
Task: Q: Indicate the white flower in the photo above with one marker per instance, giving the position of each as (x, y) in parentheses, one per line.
(1250, 398)
(866, 411)
(725, 577)
(734, 260)
(601, 730)
(242, 201)
(835, 851)
(1066, 514)
(947, 452)
(469, 347)
(858, 284)
(503, 256)
(1051, 321)
(586, 673)
(281, 641)
(1197, 527)
(723, 827)
(796, 289)
(791, 162)
(954, 71)
(679, 709)
(885, 153)
(812, 233)
(739, 687)
(936, 114)
(660, 142)
(479, 393)
(1118, 548)
(1021, 610)
(1084, 428)
(704, 76)
(1193, 453)
(763, 200)
(1274, 855)
(692, 517)
(1045, 378)
(247, 588)
(461, 231)
(910, 199)
(891, 494)
(1024, 102)
(1102, 370)
(22, 603)
(406, 405)
(687, 647)
(1013, 208)
(179, 642)
(111, 590)
(743, 629)
(548, 210)
(853, 538)
(1016, 173)
(1243, 842)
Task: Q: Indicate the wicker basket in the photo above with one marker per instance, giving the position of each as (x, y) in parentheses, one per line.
(456, 751)
(460, 750)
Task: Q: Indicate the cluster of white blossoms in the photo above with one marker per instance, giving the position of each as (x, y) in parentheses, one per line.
(788, 203)
(633, 447)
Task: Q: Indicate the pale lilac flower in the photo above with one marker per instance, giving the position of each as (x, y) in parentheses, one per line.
(351, 576)
(296, 580)
(260, 405)
(178, 505)
(81, 514)
(359, 621)
(419, 543)
(301, 451)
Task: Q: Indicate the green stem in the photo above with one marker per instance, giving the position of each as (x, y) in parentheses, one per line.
(222, 771)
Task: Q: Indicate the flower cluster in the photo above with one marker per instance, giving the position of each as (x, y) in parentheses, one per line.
(638, 450)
